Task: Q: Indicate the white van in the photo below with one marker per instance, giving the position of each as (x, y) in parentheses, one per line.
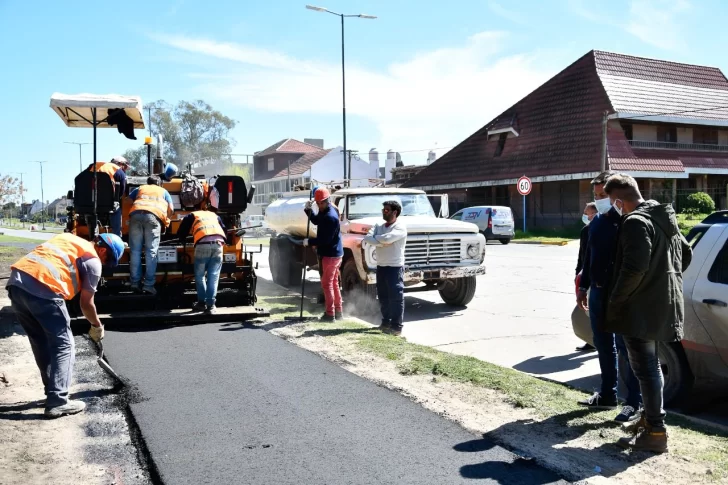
(495, 222)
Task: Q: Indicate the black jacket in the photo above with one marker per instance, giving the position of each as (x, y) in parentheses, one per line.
(328, 233)
(599, 258)
(646, 295)
(583, 242)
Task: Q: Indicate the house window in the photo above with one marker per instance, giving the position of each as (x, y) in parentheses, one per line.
(667, 134)
(705, 136)
(628, 132)
(271, 164)
(501, 144)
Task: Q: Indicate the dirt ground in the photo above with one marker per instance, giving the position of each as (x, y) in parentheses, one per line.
(589, 457)
(93, 447)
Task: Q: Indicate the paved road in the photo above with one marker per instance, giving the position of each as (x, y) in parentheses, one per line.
(225, 404)
(26, 233)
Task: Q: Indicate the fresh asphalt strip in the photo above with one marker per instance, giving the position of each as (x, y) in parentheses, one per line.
(225, 403)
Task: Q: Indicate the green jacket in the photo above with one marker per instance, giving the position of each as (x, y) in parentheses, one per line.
(646, 294)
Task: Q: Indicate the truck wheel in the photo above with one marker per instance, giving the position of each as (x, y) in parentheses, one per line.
(504, 241)
(675, 371)
(274, 261)
(354, 288)
(459, 291)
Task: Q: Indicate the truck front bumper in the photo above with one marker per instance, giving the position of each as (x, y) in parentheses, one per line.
(414, 275)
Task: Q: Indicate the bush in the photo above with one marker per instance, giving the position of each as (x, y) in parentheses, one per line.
(700, 203)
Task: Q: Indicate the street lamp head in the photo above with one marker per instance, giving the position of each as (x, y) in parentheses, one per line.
(318, 9)
(365, 16)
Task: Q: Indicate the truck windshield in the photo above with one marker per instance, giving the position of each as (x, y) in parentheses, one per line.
(370, 205)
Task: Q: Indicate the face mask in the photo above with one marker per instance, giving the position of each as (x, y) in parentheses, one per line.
(585, 219)
(603, 205)
(617, 208)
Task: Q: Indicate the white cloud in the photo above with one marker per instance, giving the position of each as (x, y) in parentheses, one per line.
(439, 96)
(501, 11)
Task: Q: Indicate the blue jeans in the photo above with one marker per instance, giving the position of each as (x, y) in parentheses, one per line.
(145, 231)
(643, 358)
(608, 345)
(208, 259)
(115, 220)
(390, 291)
(48, 327)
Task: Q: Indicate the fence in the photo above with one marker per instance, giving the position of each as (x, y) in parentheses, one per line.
(716, 192)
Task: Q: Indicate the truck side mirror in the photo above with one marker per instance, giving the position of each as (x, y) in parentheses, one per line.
(251, 193)
(444, 206)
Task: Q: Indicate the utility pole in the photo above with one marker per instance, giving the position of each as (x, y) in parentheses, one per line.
(22, 197)
(42, 195)
(80, 162)
(348, 154)
(604, 140)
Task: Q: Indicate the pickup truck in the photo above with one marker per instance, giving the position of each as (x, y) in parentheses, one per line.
(700, 360)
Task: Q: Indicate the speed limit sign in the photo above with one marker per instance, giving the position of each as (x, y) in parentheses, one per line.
(524, 185)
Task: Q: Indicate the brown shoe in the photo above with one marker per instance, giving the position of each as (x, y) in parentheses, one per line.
(395, 330)
(648, 439)
(635, 426)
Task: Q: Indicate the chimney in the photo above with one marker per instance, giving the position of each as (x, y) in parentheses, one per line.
(374, 162)
(389, 164)
(317, 142)
(431, 157)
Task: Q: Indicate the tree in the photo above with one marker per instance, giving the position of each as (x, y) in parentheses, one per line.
(9, 187)
(192, 132)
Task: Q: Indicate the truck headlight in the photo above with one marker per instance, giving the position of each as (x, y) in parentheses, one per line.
(473, 250)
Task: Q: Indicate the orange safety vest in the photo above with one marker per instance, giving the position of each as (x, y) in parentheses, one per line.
(205, 225)
(150, 198)
(53, 263)
(105, 167)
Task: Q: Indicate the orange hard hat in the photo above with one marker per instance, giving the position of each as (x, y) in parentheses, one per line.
(321, 194)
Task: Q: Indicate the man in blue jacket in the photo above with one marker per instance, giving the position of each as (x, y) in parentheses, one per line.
(595, 277)
(329, 249)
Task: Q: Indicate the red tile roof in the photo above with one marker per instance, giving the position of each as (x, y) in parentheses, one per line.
(301, 165)
(689, 159)
(289, 145)
(560, 122)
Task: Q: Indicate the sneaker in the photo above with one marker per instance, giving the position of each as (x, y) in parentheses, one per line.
(327, 318)
(634, 427)
(595, 401)
(648, 439)
(395, 330)
(71, 407)
(586, 348)
(211, 310)
(149, 290)
(199, 306)
(339, 315)
(627, 414)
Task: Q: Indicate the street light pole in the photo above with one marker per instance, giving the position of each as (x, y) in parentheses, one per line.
(80, 162)
(22, 197)
(343, 72)
(42, 195)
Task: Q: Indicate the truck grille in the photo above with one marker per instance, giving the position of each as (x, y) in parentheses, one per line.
(432, 251)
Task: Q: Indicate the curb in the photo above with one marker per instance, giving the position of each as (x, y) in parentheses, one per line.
(540, 243)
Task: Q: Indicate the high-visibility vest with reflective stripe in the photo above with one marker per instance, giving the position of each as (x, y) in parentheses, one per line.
(150, 198)
(53, 263)
(106, 167)
(205, 224)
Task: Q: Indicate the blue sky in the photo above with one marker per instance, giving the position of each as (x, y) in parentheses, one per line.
(424, 74)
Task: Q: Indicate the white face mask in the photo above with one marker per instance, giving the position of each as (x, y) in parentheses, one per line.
(585, 219)
(603, 205)
(617, 208)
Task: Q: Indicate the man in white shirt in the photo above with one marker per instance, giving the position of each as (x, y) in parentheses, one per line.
(390, 238)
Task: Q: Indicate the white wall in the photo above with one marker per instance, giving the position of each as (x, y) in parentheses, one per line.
(331, 167)
(644, 132)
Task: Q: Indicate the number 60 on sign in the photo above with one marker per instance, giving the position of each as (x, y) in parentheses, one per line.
(524, 185)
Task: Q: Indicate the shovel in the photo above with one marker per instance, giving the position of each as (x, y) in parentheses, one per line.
(105, 365)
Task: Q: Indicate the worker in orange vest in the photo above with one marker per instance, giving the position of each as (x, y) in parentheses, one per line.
(116, 169)
(151, 209)
(208, 236)
(39, 285)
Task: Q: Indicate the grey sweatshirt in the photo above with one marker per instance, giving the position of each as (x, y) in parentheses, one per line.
(389, 241)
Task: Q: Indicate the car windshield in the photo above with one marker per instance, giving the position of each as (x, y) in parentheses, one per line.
(370, 205)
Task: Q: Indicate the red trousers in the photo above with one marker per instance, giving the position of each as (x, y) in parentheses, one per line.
(330, 284)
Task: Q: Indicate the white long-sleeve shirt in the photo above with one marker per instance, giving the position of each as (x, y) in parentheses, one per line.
(389, 242)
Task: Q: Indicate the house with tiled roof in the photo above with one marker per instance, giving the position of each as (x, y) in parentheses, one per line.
(665, 123)
(290, 163)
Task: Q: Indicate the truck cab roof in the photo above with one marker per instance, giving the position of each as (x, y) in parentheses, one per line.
(376, 190)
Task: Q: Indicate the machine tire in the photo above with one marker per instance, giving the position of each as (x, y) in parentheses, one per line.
(274, 261)
(284, 267)
(353, 287)
(504, 241)
(458, 292)
(676, 372)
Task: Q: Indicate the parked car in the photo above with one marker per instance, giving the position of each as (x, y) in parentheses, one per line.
(257, 225)
(700, 360)
(495, 222)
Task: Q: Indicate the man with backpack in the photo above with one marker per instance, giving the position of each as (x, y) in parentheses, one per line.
(152, 207)
(116, 170)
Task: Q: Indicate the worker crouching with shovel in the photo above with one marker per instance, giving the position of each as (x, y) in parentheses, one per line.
(330, 251)
(39, 286)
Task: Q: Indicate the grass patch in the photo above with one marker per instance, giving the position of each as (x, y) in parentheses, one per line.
(14, 239)
(256, 241)
(564, 234)
(687, 221)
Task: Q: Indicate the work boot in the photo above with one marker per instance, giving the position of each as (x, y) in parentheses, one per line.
(327, 318)
(71, 407)
(199, 306)
(384, 326)
(648, 439)
(635, 426)
(395, 330)
(149, 290)
(595, 401)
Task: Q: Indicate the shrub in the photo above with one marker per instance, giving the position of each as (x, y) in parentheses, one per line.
(699, 202)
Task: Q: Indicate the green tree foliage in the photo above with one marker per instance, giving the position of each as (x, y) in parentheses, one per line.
(699, 203)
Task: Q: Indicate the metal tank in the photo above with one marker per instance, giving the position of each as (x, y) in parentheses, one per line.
(286, 216)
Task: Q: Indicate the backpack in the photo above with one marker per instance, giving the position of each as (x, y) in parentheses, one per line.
(192, 192)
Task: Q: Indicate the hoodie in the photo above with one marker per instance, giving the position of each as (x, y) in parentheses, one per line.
(646, 292)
